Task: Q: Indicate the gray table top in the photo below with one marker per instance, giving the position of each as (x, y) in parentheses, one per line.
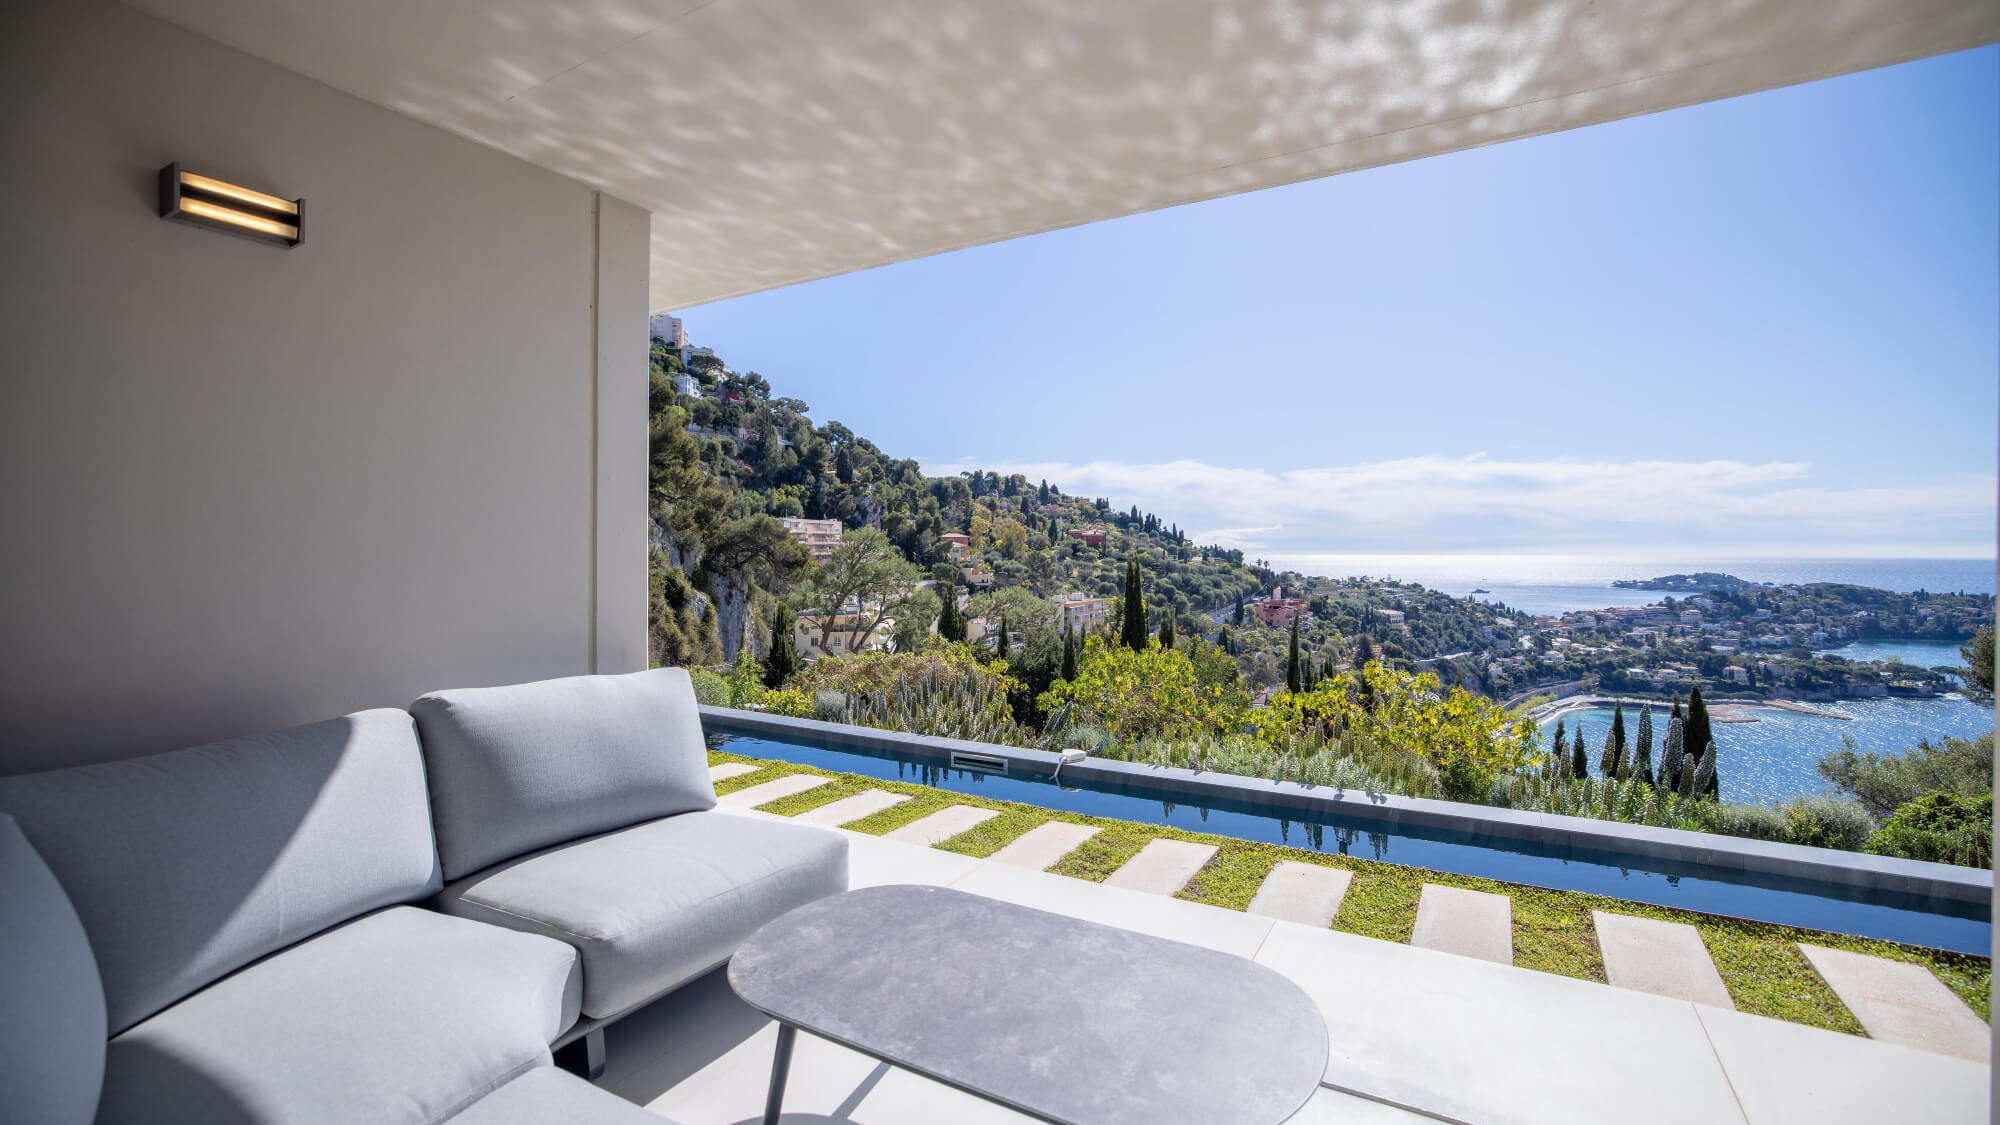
(1066, 1020)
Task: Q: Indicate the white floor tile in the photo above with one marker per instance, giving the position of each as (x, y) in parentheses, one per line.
(769, 791)
(1306, 893)
(1040, 847)
(1191, 922)
(847, 810)
(1663, 958)
(1901, 1002)
(1468, 923)
(727, 770)
(1788, 1074)
(942, 825)
(1162, 867)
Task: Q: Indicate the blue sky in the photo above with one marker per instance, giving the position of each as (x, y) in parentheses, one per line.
(1760, 326)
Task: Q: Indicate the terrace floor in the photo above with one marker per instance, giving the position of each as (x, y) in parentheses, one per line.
(1418, 1032)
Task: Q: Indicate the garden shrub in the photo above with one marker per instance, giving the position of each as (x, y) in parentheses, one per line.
(1942, 827)
(1822, 820)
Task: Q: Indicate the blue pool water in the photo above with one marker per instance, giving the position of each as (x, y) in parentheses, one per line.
(1953, 926)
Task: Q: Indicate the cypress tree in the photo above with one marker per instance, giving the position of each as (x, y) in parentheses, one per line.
(1559, 761)
(1000, 642)
(1224, 641)
(1364, 652)
(1621, 763)
(783, 659)
(1238, 620)
(951, 623)
(1135, 633)
(1579, 758)
(1699, 732)
(1167, 630)
(1294, 679)
(1069, 654)
(1642, 750)
(1674, 758)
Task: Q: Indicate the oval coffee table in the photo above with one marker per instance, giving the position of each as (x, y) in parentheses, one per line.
(1064, 1020)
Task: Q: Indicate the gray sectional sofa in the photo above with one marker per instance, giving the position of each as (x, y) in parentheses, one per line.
(387, 917)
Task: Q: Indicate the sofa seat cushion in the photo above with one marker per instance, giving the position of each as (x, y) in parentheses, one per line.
(652, 906)
(401, 1016)
(547, 1096)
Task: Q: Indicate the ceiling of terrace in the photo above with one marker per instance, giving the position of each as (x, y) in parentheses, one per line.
(777, 141)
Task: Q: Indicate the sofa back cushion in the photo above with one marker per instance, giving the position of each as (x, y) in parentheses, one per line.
(514, 769)
(188, 865)
(52, 1039)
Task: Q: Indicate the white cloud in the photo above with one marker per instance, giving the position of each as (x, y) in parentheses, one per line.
(1479, 503)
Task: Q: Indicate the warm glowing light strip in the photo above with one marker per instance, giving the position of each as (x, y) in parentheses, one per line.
(239, 194)
(219, 214)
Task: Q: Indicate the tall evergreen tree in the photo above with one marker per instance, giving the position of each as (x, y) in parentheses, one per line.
(951, 620)
(1225, 641)
(1167, 629)
(1364, 652)
(1294, 675)
(1621, 765)
(1069, 654)
(1135, 633)
(1238, 619)
(1560, 759)
(1674, 758)
(1000, 641)
(783, 658)
(1699, 731)
(1579, 758)
(1607, 759)
(1642, 746)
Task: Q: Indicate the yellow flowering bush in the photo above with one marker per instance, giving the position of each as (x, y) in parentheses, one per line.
(1149, 693)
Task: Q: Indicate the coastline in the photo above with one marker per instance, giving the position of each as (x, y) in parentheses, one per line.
(1718, 712)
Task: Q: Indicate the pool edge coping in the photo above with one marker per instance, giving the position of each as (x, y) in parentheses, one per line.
(1916, 878)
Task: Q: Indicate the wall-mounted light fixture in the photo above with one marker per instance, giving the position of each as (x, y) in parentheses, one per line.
(204, 201)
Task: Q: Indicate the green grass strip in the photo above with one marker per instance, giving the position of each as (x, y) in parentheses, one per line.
(1760, 963)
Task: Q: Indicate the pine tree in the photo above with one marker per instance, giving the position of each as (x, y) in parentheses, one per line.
(1294, 679)
(1674, 758)
(783, 659)
(1699, 731)
(1579, 758)
(1167, 630)
(1642, 749)
(1135, 632)
(1069, 654)
(1000, 641)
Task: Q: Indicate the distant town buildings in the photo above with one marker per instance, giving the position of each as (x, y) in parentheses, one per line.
(669, 328)
(1394, 617)
(1094, 536)
(818, 537)
(958, 543)
(687, 385)
(1081, 611)
(847, 635)
(1281, 611)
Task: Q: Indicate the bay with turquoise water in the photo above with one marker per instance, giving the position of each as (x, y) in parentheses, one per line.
(1776, 757)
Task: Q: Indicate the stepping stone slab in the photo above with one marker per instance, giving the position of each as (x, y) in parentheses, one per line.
(1901, 1002)
(1663, 958)
(771, 791)
(847, 810)
(942, 825)
(1162, 867)
(1041, 846)
(1305, 893)
(1468, 923)
(727, 770)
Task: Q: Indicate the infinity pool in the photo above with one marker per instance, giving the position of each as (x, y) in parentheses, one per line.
(1940, 924)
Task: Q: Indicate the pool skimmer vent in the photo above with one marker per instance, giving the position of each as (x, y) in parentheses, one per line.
(983, 763)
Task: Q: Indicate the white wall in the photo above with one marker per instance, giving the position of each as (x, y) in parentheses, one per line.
(243, 487)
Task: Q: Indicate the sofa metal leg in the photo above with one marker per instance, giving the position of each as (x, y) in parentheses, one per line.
(583, 1057)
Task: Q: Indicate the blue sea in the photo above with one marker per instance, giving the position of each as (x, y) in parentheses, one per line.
(1554, 584)
(1776, 757)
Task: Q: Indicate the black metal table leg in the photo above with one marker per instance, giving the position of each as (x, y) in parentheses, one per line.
(781, 1065)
